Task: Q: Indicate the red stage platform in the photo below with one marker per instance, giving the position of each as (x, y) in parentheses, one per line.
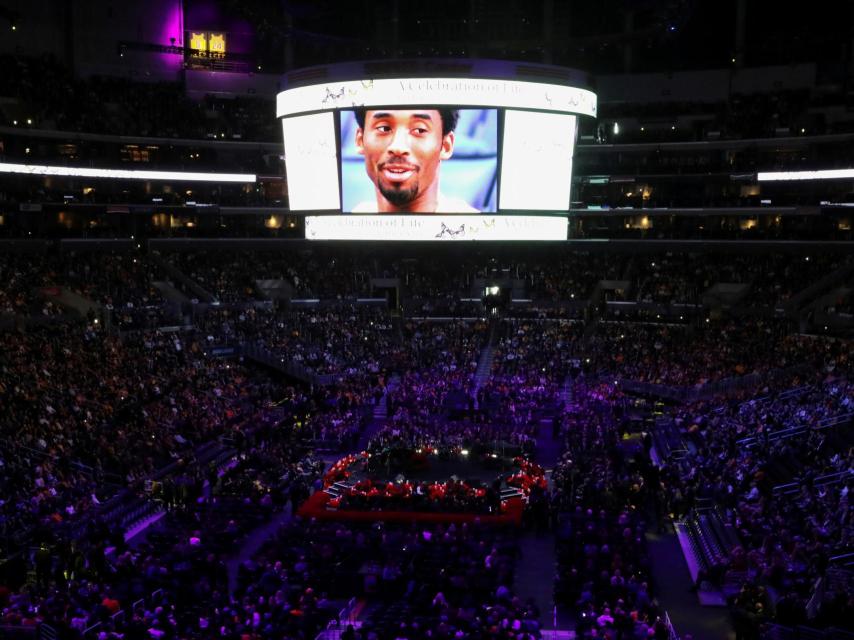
(316, 507)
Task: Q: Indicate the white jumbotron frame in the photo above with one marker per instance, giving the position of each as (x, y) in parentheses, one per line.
(484, 227)
(455, 92)
(520, 95)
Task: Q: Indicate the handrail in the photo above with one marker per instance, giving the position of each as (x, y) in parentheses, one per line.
(773, 631)
(827, 479)
(258, 351)
(170, 269)
(825, 423)
(13, 631)
(671, 632)
(720, 387)
(43, 454)
(832, 421)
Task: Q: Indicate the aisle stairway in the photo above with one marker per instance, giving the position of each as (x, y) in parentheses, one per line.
(672, 582)
(707, 540)
(380, 415)
(534, 578)
(381, 407)
(484, 366)
(565, 396)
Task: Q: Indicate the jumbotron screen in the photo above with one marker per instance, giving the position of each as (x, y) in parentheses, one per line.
(432, 158)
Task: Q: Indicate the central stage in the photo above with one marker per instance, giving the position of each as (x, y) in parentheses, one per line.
(316, 507)
(406, 485)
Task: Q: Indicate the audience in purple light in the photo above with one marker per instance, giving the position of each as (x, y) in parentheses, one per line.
(218, 446)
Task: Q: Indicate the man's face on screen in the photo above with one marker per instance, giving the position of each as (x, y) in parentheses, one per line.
(403, 150)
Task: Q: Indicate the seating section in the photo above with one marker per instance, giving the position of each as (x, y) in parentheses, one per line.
(708, 543)
(139, 460)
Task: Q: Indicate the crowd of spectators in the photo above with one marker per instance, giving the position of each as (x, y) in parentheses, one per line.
(25, 278)
(87, 413)
(440, 361)
(536, 346)
(428, 581)
(232, 276)
(778, 468)
(48, 93)
(435, 287)
(123, 281)
(778, 113)
(531, 364)
(431, 403)
(92, 413)
(424, 580)
(683, 278)
(170, 583)
(572, 277)
(784, 276)
(120, 284)
(345, 339)
(45, 92)
(692, 355)
(602, 501)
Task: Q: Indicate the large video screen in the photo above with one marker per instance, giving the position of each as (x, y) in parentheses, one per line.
(311, 160)
(432, 159)
(536, 166)
(419, 160)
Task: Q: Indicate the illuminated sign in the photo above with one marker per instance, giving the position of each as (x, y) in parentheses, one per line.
(376, 149)
(457, 92)
(216, 43)
(199, 42)
(311, 158)
(823, 174)
(207, 44)
(435, 227)
(125, 174)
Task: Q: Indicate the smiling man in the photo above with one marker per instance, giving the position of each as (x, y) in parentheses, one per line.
(404, 150)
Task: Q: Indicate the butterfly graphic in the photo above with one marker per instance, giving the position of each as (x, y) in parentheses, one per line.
(451, 232)
(333, 96)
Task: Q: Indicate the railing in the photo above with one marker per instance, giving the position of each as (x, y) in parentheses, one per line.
(346, 616)
(725, 387)
(780, 632)
(19, 632)
(843, 560)
(668, 442)
(127, 507)
(41, 454)
(671, 632)
(730, 386)
(835, 277)
(826, 423)
(829, 479)
(257, 351)
(116, 622)
(832, 421)
(192, 286)
(677, 394)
